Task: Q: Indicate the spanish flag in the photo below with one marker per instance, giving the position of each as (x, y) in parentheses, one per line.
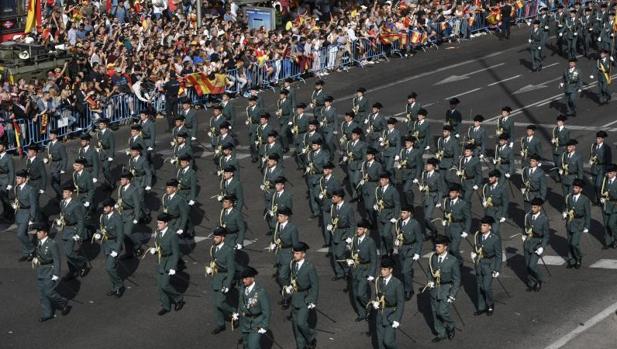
(204, 85)
(17, 130)
(33, 18)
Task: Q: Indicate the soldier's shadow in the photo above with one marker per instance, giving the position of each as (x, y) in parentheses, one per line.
(591, 95)
(181, 281)
(516, 263)
(267, 341)
(127, 267)
(557, 105)
(597, 231)
(468, 281)
(90, 250)
(423, 301)
(69, 288)
(559, 243)
(525, 63)
(556, 200)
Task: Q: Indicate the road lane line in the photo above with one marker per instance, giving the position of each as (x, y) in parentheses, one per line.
(610, 123)
(504, 80)
(584, 327)
(464, 93)
(551, 65)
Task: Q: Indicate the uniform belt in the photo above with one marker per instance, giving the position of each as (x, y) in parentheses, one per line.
(24, 207)
(70, 225)
(221, 270)
(3, 173)
(458, 221)
(390, 306)
(505, 162)
(446, 283)
(407, 243)
(286, 246)
(303, 289)
(88, 166)
(251, 315)
(56, 160)
(189, 127)
(448, 157)
(489, 257)
(46, 263)
(35, 178)
(166, 254)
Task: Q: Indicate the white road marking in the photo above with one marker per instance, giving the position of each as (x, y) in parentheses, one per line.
(605, 264)
(504, 80)
(609, 124)
(454, 78)
(464, 93)
(551, 65)
(553, 260)
(608, 311)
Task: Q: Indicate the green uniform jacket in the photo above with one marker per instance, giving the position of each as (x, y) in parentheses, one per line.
(532, 146)
(411, 111)
(392, 141)
(562, 137)
(107, 143)
(142, 173)
(411, 162)
(235, 224)
(307, 282)
(391, 203)
(28, 203)
(394, 297)
(356, 153)
(477, 137)
(254, 309)
(489, 251)
(506, 124)
(177, 207)
(345, 222)
(413, 238)
(48, 255)
(169, 251)
(114, 233)
(422, 132)
(37, 173)
(449, 280)
(148, 131)
(7, 170)
(361, 104)
(537, 183)
(575, 166)
(582, 213)
(228, 112)
(600, 157)
(131, 203)
(461, 215)
(74, 219)
(91, 156)
(282, 199)
(610, 207)
(499, 200)
(225, 264)
(451, 152)
(59, 160)
(472, 170)
(84, 186)
(365, 254)
(539, 232)
(187, 180)
(572, 81)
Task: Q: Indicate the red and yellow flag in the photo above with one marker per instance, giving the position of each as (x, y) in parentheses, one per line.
(17, 131)
(203, 85)
(33, 18)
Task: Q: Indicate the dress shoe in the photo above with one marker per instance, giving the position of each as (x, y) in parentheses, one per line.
(69, 276)
(22, 259)
(163, 312)
(570, 265)
(46, 318)
(335, 278)
(218, 330)
(361, 318)
(479, 312)
(325, 245)
(120, 291)
(538, 287)
(578, 265)
(85, 271)
(111, 293)
(451, 333)
(614, 245)
(29, 257)
(437, 339)
(408, 295)
(606, 247)
(312, 345)
(490, 311)
(179, 305)
(66, 310)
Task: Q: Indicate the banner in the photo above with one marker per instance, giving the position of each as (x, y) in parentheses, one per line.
(204, 86)
(17, 131)
(31, 19)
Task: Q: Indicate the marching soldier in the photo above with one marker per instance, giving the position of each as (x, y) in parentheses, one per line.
(260, 136)
(167, 250)
(222, 140)
(214, 124)
(560, 19)
(253, 113)
(411, 109)
(190, 117)
(271, 173)
(135, 139)
(129, 206)
(253, 310)
(112, 235)
(353, 157)
(363, 263)
(470, 173)
(187, 180)
(148, 134)
(328, 126)
(106, 147)
(304, 291)
(545, 24)
(561, 136)
(346, 129)
(316, 160)
(476, 136)
(7, 181)
(177, 208)
(454, 118)
(82, 180)
(608, 199)
(228, 112)
(89, 153)
(360, 104)
(232, 186)
(281, 198)
(326, 186)
(222, 268)
(389, 304)
(530, 145)
(318, 97)
(26, 206)
(57, 160)
(421, 130)
(36, 170)
(139, 167)
(572, 85)
(387, 206)
(71, 223)
(181, 149)
(48, 270)
(432, 185)
(408, 163)
(288, 85)
(569, 35)
(495, 200)
(284, 238)
(600, 17)
(534, 182)
(375, 123)
(408, 241)
(604, 77)
(227, 158)
(599, 157)
(272, 146)
(487, 259)
(570, 166)
(456, 220)
(535, 239)
(231, 219)
(578, 220)
(447, 151)
(536, 42)
(299, 127)
(285, 113)
(179, 126)
(444, 282)
(505, 123)
(254, 92)
(586, 32)
(390, 145)
(340, 224)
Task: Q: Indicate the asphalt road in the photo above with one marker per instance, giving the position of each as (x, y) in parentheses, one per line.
(485, 74)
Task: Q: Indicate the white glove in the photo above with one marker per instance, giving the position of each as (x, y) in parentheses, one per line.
(262, 331)
(62, 172)
(272, 247)
(564, 215)
(611, 58)
(290, 123)
(345, 158)
(113, 254)
(481, 156)
(484, 204)
(444, 223)
(585, 230)
(502, 219)
(370, 278)
(599, 39)
(464, 235)
(415, 257)
(475, 187)
(427, 147)
(451, 299)
(415, 181)
(86, 204)
(46, 160)
(395, 324)
(431, 284)
(320, 196)
(9, 187)
(524, 237)
(76, 237)
(171, 272)
(54, 277)
(261, 187)
(224, 290)
(375, 207)
(191, 202)
(539, 47)
(560, 84)
(208, 271)
(473, 255)
(392, 220)
(438, 204)
(560, 34)
(397, 158)
(507, 175)
(94, 180)
(179, 231)
(238, 246)
(329, 227)
(603, 200)
(375, 305)
(110, 159)
(366, 121)
(41, 191)
(529, 40)
(30, 223)
(152, 250)
(135, 221)
(235, 316)
(247, 122)
(97, 236)
(495, 274)
(148, 188)
(350, 262)
(311, 306)
(150, 149)
(348, 240)
(219, 198)
(591, 76)
(288, 289)
(494, 162)
(210, 134)
(539, 251)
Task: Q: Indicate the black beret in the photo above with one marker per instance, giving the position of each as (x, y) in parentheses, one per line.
(136, 147)
(225, 125)
(280, 180)
(284, 211)
(531, 127)
(504, 136)
(611, 168)
(357, 131)
(408, 208)
(454, 101)
(601, 134)
(507, 109)
(562, 118)
(68, 186)
(364, 224)
(329, 99)
(172, 183)
(338, 192)
(392, 121)
(229, 168)
(494, 173)
(317, 141)
(455, 187)
(423, 112)
(577, 182)
(229, 197)
(328, 166)
(80, 161)
(361, 90)
(274, 157)
(219, 231)
(441, 240)
(34, 147)
(126, 175)
(387, 262)
(301, 106)
(572, 142)
(447, 128)
(432, 161)
(85, 137)
(273, 133)
(136, 127)
(377, 105)
(371, 151)
(487, 220)
(185, 157)
(248, 272)
(384, 174)
(108, 202)
(182, 134)
(104, 121)
(534, 157)
(300, 247)
(537, 202)
(412, 95)
(478, 118)
(164, 217)
(180, 117)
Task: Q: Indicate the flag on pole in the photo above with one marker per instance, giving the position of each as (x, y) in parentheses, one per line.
(204, 85)
(31, 19)
(17, 130)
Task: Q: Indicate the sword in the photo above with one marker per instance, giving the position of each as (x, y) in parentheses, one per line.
(457, 313)
(504, 287)
(423, 270)
(545, 266)
(273, 341)
(324, 314)
(406, 334)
